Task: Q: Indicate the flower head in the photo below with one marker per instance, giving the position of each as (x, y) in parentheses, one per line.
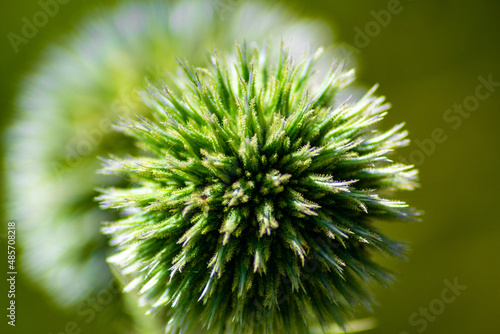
(80, 87)
(254, 203)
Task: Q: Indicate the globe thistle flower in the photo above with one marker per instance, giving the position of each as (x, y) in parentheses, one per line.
(66, 107)
(254, 202)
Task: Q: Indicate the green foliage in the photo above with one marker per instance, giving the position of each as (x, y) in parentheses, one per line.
(254, 201)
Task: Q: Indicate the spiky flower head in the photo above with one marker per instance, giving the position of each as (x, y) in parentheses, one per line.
(254, 203)
(80, 87)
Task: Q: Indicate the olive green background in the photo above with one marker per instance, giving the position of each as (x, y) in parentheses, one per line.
(427, 59)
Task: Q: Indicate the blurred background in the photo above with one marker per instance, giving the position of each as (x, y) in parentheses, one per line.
(430, 58)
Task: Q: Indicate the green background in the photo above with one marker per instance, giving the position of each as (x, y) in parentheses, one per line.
(426, 59)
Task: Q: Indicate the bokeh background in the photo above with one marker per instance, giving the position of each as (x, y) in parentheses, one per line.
(427, 58)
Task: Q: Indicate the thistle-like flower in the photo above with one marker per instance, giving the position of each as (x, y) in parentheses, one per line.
(68, 103)
(254, 203)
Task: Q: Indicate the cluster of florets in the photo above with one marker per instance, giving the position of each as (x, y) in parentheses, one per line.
(254, 202)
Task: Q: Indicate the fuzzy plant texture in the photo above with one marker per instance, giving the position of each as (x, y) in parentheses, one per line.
(81, 86)
(253, 204)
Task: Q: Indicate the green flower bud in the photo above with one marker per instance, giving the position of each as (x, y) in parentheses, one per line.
(252, 206)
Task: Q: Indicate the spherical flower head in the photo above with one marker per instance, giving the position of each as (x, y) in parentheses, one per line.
(254, 203)
(67, 104)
